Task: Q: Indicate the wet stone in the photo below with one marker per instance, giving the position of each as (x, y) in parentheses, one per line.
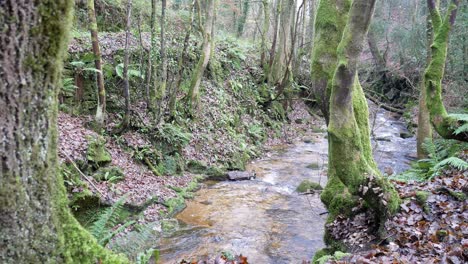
(241, 175)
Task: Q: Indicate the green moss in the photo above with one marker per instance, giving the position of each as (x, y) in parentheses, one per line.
(421, 197)
(175, 204)
(307, 185)
(96, 152)
(313, 166)
(110, 174)
(169, 225)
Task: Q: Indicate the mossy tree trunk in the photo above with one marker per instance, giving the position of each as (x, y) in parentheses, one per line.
(150, 71)
(243, 18)
(181, 65)
(329, 24)
(442, 122)
(280, 59)
(310, 32)
(424, 131)
(35, 221)
(161, 93)
(197, 74)
(126, 90)
(101, 104)
(353, 173)
(265, 29)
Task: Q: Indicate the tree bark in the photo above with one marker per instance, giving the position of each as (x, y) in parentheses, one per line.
(280, 60)
(327, 36)
(162, 85)
(243, 18)
(197, 74)
(353, 173)
(265, 29)
(101, 105)
(126, 90)
(424, 131)
(35, 221)
(441, 121)
(181, 65)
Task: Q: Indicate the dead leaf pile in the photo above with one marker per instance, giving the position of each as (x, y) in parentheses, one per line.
(431, 227)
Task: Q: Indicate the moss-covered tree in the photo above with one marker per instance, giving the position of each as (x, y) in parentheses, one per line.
(353, 173)
(35, 221)
(207, 47)
(424, 131)
(329, 24)
(444, 124)
(101, 103)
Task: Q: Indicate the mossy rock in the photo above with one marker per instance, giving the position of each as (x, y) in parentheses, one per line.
(307, 185)
(110, 174)
(175, 204)
(169, 225)
(196, 166)
(212, 173)
(97, 152)
(313, 166)
(325, 255)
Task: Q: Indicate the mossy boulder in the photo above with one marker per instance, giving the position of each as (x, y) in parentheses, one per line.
(212, 173)
(97, 153)
(175, 204)
(313, 166)
(110, 174)
(169, 225)
(307, 185)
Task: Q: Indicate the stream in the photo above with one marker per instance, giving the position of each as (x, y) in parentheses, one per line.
(265, 219)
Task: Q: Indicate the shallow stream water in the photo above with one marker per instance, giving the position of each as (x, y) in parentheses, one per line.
(266, 219)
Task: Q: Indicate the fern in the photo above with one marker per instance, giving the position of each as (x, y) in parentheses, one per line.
(137, 242)
(452, 161)
(144, 257)
(462, 123)
(462, 129)
(102, 228)
(459, 117)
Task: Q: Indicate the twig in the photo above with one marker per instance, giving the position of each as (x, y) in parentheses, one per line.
(84, 176)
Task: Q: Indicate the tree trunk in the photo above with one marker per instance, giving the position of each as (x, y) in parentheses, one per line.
(279, 65)
(243, 18)
(442, 122)
(126, 90)
(376, 55)
(197, 74)
(276, 29)
(150, 72)
(162, 85)
(265, 29)
(101, 105)
(35, 221)
(181, 65)
(310, 28)
(424, 123)
(352, 173)
(327, 36)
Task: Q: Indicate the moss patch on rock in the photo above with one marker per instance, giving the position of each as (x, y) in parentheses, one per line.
(307, 185)
(96, 152)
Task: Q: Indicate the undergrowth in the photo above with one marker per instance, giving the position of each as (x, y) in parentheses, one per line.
(442, 153)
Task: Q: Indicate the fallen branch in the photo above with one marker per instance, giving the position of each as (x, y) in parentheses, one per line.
(84, 176)
(384, 106)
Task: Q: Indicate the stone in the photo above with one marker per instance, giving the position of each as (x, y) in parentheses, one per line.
(405, 134)
(241, 175)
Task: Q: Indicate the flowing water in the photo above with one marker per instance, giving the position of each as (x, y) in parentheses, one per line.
(266, 219)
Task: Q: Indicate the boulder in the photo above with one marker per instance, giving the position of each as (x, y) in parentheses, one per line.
(241, 175)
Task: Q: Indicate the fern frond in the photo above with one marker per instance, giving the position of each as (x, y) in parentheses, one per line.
(108, 220)
(462, 129)
(144, 257)
(459, 117)
(452, 161)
